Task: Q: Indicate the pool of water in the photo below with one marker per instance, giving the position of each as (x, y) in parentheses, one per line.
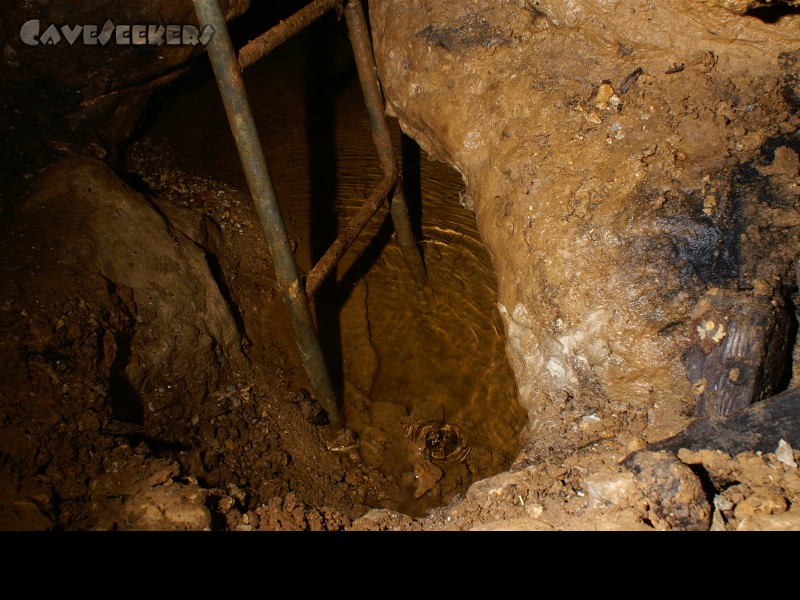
(422, 372)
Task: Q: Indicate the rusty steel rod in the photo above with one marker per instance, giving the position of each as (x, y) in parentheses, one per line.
(373, 97)
(255, 49)
(231, 87)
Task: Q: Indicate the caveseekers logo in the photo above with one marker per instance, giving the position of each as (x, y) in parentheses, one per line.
(123, 35)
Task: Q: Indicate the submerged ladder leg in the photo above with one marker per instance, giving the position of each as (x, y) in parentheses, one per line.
(373, 97)
(231, 87)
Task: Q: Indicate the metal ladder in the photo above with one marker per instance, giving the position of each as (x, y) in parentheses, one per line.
(227, 68)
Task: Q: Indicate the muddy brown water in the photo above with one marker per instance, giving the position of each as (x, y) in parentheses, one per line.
(422, 373)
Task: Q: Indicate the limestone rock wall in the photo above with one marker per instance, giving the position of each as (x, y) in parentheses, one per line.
(616, 154)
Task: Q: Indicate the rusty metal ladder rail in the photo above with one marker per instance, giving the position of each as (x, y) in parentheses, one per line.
(227, 71)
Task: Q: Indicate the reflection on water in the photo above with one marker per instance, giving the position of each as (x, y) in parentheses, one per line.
(422, 372)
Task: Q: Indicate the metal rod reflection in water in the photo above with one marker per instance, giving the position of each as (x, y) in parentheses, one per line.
(373, 97)
(231, 87)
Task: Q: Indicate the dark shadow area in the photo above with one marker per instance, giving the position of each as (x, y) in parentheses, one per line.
(260, 17)
(410, 156)
(366, 260)
(196, 76)
(321, 88)
(709, 489)
(219, 278)
(767, 155)
(785, 379)
(135, 182)
(126, 405)
(773, 14)
(162, 448)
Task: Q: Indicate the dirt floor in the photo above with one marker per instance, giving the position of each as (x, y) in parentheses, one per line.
(150, 381)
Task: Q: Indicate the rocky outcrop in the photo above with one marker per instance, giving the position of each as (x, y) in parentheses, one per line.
(156, 309)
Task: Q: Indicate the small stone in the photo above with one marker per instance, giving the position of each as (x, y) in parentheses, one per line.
(225, 504)
(534, 510)
(675, 494)
(635, 444)
(608, 489)
(427, 475)
(588, 421)
(762, 503)
(594, 117)
(722, 503)
(785, 454)
(604, 93)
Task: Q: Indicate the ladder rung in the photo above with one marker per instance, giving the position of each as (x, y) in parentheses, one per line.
(256, 49)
